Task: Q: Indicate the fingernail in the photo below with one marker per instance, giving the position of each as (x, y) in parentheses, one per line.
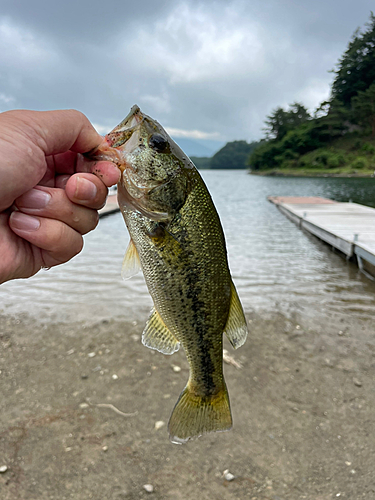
(85, 189)
(24, 222)
(34, 199)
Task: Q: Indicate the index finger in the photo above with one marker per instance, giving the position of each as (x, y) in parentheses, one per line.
(30, 136)
(70, 163)
(59, 131)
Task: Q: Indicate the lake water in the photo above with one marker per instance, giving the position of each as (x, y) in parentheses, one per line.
(275, 266)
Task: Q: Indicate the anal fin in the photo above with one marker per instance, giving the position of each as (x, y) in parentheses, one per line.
(157, 336)
(131, 264)
(236, 328)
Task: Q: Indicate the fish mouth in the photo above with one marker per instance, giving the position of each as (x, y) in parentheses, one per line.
(117, 146)
(122, 135)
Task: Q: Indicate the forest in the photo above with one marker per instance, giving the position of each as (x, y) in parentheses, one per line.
(337, 139)
(340, 137)
(234, 154)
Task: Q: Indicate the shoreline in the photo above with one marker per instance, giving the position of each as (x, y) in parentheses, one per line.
(307, 173)
(301, 402)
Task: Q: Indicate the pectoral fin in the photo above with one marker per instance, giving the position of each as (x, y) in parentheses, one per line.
(236, 327)
(131, 263)
(157, 336)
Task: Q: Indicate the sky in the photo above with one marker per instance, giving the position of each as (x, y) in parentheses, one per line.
(206, 70)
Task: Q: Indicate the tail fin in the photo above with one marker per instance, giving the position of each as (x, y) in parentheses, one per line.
(195, 415)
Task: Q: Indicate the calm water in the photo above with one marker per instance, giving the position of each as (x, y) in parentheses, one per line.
(274, 265)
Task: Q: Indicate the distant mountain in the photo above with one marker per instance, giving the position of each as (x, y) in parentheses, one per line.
(198, 147)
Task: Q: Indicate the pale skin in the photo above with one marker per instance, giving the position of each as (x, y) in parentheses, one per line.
(49, 193)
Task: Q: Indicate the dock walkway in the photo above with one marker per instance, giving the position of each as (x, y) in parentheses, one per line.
(110, 207)
(348, 227)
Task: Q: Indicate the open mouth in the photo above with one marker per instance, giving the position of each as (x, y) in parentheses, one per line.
(120, 141)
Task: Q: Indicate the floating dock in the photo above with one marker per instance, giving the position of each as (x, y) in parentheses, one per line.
(110, 207)
(347, 227)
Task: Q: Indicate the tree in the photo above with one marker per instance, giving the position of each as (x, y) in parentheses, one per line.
(356, 69)
(363, 107)
(276, 124)
(334, 123)
(281, 121)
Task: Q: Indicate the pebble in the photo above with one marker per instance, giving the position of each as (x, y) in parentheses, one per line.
(114, 376)
(159, 424)
(3, 469)
(176, 368)
(105, 448)
(228, 475)
(83, 405)
(357, 382)
(91, 354)
(148, 487)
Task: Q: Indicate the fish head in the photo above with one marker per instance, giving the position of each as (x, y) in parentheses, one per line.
(155, 171)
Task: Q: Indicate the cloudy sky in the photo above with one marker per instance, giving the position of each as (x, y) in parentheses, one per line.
(204, 69)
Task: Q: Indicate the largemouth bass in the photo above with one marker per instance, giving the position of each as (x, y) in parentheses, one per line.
(178, 241)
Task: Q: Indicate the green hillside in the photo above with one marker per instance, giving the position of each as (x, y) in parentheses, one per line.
(340, 138)
(233, 155)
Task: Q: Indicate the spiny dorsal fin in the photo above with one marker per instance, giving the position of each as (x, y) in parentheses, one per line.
(236, 327)
(157, 336)
(131, 263)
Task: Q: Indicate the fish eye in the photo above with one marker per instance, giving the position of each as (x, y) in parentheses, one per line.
(158, 143)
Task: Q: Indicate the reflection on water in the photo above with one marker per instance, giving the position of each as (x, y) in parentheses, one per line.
(273, 263)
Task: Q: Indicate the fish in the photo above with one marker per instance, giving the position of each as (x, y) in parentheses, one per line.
(177, 240)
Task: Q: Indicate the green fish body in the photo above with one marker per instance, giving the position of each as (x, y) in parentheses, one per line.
(178, 241)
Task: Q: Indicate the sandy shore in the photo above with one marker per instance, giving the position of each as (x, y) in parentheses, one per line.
(303, 408)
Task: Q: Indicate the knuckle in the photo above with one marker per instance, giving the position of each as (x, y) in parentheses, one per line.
(90, 222)
(66, 242)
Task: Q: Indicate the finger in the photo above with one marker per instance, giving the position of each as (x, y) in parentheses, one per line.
(58, 241)
(87, 190)
(58, 131)
(71, 163)
(61, 180)
(52, 203)
(107, 172)
(27, 137)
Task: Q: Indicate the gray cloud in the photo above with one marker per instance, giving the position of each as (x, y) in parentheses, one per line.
(217, 67)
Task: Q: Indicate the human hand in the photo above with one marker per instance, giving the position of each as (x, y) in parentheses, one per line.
(49, 193)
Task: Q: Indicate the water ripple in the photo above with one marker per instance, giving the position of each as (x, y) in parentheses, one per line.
(273, 263)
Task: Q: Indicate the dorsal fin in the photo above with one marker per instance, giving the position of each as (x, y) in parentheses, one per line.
(236, 327)
(157, 336)
(131, 263)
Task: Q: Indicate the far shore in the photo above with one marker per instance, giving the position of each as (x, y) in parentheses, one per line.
(312, 173)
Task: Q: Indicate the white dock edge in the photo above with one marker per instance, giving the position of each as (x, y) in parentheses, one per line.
(348, 227)
(110, 207)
